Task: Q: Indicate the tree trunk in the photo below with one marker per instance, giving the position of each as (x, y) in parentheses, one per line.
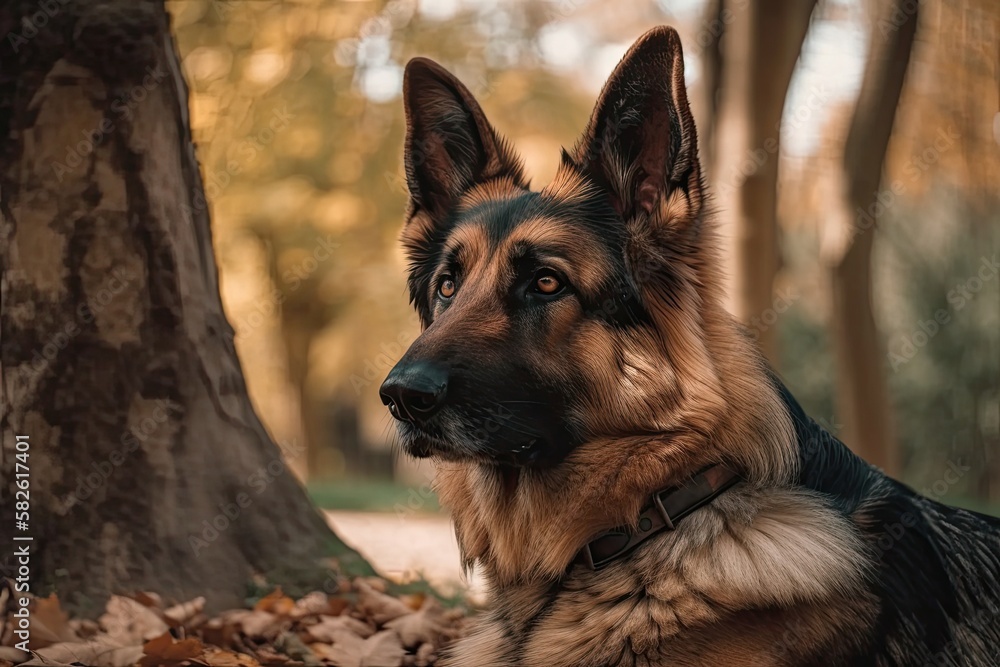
(862, 393)
(708, 45)
(760, 48)
(149, 469)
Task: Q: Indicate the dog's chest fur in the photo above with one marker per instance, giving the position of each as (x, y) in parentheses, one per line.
(752, 580)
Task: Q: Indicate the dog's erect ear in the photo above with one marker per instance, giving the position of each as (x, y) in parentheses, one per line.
(450, 145)
(641, 143)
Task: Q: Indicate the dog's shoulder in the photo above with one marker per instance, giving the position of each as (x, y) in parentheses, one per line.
(936, 568)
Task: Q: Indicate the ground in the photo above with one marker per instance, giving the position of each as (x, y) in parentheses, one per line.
(405, 546)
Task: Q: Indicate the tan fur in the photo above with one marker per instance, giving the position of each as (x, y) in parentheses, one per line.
(568, 185)
(496, 189)
(756, 549)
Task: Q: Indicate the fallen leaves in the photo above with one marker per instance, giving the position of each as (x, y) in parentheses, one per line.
(167, 651)
(50, 624)
(361, 625)
(383, 649)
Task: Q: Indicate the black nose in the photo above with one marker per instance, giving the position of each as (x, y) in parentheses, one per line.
(415, 391)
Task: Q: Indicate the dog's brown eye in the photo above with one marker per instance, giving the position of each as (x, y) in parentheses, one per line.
(547, 283)
(447, 288)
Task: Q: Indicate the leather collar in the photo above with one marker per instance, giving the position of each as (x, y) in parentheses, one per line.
(664, 509)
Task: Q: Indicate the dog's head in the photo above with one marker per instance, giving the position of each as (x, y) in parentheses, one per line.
(558, 316)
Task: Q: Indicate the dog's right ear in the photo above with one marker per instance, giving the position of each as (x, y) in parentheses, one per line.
(450, 146)
(641, 143)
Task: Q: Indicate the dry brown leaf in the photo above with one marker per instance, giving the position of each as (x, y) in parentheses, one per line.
(330, 626)
(99, 652)
(261, 624)
(165, 650)
(313, 603)
(368, 629)
(271, 658)
(11, 654)
(129, 622)
(426, 656)
(49, 623)
(84, 628)
(420, 627)
(378, 583)
(215, 657)
(149, 599)
(276, 602)
(338, 606)
(378, 606)
(184, 612)
(380, 650)
(217, 632)
(414, 601)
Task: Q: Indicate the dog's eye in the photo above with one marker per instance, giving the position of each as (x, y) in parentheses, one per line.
(447, 287)
(547, 283)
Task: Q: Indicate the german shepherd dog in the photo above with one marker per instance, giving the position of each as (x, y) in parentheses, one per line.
(636, 485)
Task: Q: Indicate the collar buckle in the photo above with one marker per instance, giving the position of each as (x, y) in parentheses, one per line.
(662, 511)
(684, 499)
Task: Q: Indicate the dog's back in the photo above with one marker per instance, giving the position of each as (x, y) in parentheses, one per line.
(937, 568)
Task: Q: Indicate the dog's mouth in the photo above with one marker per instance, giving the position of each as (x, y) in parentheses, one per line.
(527, 452)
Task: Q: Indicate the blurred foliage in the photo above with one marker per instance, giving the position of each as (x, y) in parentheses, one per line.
(940, 222)
(296, 110)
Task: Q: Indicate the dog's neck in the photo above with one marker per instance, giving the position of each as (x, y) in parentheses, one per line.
(529, 525)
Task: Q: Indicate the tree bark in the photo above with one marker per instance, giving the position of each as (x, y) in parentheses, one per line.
(149, 469)
(862, 393)
(760, 47)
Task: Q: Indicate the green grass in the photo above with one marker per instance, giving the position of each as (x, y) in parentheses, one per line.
(381, 495)
(373, 495)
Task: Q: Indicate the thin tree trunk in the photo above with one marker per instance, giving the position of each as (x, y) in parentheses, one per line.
(760, 48)
(149, 469)
(708, 44)
(862, 393)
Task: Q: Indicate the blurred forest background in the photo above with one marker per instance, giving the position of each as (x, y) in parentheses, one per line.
(297, 113)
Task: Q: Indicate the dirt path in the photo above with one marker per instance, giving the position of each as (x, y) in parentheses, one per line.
(404, 548)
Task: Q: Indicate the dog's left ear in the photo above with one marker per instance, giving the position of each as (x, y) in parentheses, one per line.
(450, 145)
(641, 143)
